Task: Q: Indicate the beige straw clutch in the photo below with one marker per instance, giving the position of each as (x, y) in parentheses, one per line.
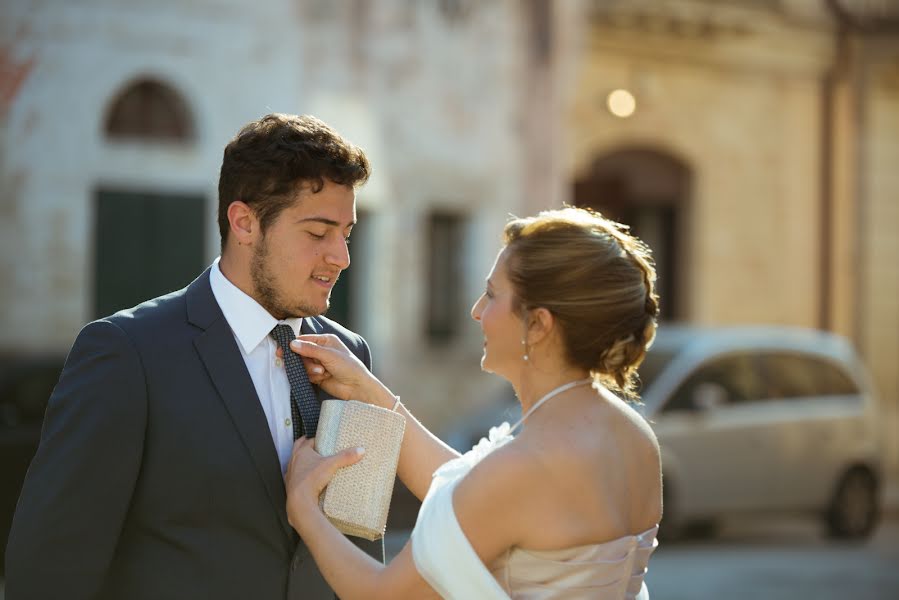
(357, 499)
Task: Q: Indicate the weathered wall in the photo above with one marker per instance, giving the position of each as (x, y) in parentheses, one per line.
(432, 91)
(792, 141)
(878, 310)
(222, 58)
(481, 108)
(742, 109)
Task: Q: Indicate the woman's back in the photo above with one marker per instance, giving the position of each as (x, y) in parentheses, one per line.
(595, 475)
(579, 493)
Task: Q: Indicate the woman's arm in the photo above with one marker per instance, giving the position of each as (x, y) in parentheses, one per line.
(344, 376)
(350, 572)
(495, 502)
(490, 503)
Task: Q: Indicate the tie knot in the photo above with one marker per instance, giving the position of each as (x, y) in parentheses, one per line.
(283, 334)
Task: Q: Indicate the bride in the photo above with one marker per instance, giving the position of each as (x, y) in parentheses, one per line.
(569, 507)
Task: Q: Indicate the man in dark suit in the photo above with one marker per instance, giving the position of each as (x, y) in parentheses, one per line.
(159, 472)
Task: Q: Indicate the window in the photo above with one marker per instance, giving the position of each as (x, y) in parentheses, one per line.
(148, 110)
(650, 191)
(791, 375)
(655, 362)
(346, 296)
(735, 375)
(146, 245)
(445, 254)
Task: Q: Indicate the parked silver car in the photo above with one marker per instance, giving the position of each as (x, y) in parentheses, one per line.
(763, 419)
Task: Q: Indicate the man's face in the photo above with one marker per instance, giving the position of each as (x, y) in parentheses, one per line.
(298, 259)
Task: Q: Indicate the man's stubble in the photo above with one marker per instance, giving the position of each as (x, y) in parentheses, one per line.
(267, 292)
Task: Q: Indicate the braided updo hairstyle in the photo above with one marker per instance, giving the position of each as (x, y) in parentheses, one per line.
(596, 279)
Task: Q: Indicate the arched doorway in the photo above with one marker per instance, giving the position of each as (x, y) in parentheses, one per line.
(147, 242)
(648, 190)
(147, 110)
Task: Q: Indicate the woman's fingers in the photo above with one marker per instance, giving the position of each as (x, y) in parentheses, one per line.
(307, 468)
(347, 457)
(313, 368)
(342, 374)
(336, 362)
(328, 340)
(309, 349)
(308, 473)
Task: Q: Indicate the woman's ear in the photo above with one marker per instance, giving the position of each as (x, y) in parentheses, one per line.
(540, 325)
(242, 221)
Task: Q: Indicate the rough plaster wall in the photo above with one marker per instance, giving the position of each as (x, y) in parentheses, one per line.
(432, 95)
(749, 131)
(879, 310)
(441, 90)
(231, 62)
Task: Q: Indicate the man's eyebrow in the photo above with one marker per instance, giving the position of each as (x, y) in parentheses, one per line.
(330, 222)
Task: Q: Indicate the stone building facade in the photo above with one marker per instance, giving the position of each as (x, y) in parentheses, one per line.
(436, 92)
(759, 160)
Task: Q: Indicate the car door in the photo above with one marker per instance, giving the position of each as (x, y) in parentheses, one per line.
(814, 412)
(709, 428)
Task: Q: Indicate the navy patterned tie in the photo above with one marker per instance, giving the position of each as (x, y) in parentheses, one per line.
(304, 405)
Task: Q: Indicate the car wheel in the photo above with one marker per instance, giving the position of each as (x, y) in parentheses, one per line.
(854, 509)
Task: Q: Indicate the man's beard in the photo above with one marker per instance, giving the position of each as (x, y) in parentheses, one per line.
(267, 294)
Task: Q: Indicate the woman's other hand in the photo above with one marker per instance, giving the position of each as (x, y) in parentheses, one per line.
(334, 368)
(308, 473)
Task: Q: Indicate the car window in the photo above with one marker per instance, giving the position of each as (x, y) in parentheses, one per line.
(734, 375)
(655, 362)
(794, 375)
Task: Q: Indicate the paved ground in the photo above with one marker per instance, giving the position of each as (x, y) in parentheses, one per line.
(781, 560)
(787, 559)
(774, 560)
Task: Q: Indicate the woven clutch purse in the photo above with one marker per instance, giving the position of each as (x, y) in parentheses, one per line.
(357, 499)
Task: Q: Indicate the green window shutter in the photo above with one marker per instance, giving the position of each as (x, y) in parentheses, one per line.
(146, 245)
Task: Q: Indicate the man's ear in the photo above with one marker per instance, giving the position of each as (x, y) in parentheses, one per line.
(243, 223)
(540, 325)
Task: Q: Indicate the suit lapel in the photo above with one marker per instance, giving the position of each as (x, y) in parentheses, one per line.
(218, 351)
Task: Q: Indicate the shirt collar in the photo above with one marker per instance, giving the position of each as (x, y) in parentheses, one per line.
(248, 320)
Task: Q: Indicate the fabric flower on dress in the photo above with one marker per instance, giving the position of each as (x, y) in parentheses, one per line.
(497, 436)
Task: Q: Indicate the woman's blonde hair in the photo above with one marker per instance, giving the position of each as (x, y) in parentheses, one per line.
(596, 279)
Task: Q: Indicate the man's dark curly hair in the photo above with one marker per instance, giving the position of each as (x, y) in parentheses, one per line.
(267, 161)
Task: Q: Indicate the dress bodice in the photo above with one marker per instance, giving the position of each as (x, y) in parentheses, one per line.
(611, 570)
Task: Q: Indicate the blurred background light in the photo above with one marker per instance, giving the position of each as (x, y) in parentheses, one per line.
(621, 103)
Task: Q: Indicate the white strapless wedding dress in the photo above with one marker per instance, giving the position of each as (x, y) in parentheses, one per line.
(612, 570)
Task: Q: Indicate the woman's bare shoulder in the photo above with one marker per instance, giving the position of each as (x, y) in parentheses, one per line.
(493, 500)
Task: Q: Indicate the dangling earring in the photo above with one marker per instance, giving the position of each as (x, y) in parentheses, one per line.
(525, 344)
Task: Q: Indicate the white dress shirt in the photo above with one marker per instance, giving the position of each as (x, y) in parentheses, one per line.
(251, 325)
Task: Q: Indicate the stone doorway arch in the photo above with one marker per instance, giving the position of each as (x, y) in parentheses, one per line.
(148, 239)
(149, 110)
(649, 190)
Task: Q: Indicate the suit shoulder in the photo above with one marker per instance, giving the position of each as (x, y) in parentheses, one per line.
(150, 314)
(329, 326)
(352, 340)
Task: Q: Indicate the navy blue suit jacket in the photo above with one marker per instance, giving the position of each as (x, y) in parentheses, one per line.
(156, 475)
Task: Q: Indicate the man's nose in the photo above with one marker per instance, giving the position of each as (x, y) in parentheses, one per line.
(339, 254)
